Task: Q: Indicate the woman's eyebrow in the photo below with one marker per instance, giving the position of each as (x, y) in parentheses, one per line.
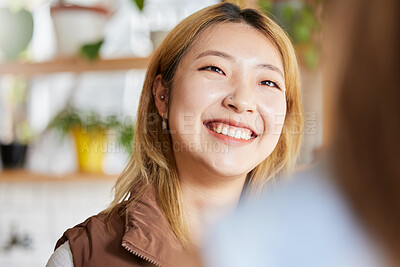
(270, 67)
(215, 53)
(231, 58)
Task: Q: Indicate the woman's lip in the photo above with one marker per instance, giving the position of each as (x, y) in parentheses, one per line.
(229, 140)
(231, 123)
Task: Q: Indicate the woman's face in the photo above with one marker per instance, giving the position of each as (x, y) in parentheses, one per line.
(227, 105)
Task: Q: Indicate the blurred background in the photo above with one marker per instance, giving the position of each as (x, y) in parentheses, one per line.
(71, 74)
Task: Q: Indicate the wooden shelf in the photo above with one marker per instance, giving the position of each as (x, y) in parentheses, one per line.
(22, 175)
(75, 65)
(26, 176)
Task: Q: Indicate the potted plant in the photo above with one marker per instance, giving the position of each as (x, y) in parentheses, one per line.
(77, 25)
(15, 134)
(79, 28)
(90, 132)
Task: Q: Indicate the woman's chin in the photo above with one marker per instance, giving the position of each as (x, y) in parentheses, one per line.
(230, 169)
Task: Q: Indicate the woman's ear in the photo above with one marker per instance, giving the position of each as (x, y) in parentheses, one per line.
(160, 94)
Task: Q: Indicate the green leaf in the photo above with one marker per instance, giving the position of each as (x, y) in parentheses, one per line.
(91, 51)
(139, 4)
(301, 33)
(126, 133)
(70, 118)
(287, 14)
(311, 57)
(65, 121)
(265, 6)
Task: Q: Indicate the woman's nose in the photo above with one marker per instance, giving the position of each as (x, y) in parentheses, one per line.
(241, 100)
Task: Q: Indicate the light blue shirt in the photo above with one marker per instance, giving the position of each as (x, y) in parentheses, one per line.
(303, 223)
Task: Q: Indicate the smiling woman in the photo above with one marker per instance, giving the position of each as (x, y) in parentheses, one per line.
(219, 116)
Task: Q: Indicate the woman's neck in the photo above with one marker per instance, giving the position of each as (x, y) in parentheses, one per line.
(206, 203)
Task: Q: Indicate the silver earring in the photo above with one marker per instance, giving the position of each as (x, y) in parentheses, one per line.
(231, 98)
(162, 97)
(164, 124)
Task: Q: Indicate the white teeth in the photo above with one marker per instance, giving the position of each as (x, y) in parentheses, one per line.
(219, 128)
(244, 134)
(231, 133)
(248, 136)
(238, 134)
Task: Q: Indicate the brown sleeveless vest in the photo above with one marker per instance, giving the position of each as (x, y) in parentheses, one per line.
(142, 237)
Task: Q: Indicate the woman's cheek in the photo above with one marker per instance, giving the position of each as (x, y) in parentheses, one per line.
(279, 122)
(271, 114)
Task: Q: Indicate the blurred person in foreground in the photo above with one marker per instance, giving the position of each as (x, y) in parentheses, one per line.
(346, 210)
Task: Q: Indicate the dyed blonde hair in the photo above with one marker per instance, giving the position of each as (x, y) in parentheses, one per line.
(153, 162)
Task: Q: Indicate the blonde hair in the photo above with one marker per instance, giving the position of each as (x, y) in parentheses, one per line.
(153, 162)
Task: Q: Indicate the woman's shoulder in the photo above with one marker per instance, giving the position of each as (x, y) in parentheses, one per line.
(100, 226)
(129, 233)
(306, 222)
(96, 241)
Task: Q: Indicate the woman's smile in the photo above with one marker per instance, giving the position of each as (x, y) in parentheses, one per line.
(230, 132)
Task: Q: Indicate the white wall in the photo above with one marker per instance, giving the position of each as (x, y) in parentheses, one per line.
(43, 211)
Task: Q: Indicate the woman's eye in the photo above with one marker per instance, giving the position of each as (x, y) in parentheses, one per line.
(269, 83)
(213, 68)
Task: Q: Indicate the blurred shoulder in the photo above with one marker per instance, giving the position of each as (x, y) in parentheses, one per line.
(305, 222)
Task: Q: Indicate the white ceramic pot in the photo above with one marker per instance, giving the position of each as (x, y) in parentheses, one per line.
(76, 26)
